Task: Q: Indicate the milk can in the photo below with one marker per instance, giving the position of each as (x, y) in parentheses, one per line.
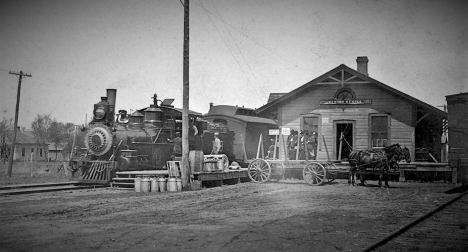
(171, 185)
(179, 184)
(154, 184)
(137, 184)
(162, 184)
(145, 184)
(221, 164)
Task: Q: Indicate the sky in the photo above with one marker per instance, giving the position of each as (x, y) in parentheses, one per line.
(240, 50)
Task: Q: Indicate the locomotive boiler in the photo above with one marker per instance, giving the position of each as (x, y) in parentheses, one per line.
(142, 140)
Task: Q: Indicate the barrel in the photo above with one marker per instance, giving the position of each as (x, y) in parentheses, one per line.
(196, 160)
(209, 166)
(179, 184)
(154, 184)
(137, 184)
(145, 184)
(171, 185)
(162, 184)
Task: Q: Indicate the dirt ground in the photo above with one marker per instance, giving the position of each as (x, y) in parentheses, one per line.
(283, 216)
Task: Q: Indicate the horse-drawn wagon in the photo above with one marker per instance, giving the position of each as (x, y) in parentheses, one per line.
(314, 172)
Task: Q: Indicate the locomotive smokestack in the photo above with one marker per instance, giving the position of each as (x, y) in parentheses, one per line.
(111, 95)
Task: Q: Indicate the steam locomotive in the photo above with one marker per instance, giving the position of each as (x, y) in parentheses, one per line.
(142, 140)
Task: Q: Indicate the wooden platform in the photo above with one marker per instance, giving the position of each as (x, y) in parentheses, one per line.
(222, 177)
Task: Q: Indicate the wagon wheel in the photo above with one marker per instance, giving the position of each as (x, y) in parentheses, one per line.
(259, 171)
(277, 171)
(331, 171)
(314, 174)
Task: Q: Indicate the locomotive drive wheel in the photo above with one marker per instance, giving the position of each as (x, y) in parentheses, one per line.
(314, 174)
(277, 171)
(259, 171)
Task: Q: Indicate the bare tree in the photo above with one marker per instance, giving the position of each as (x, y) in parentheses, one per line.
(57, 134)
(40, 127)
(5, 132)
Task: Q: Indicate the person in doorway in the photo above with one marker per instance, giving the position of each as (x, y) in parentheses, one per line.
(216, 144)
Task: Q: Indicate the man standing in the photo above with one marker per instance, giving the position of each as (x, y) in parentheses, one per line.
(216, 144)
(177, 151)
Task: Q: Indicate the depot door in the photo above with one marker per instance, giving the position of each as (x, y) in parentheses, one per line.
(344, 139)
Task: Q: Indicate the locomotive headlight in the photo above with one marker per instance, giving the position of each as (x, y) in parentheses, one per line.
(99, 113)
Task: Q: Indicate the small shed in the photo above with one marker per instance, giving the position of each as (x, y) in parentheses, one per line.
(246, 125)
(56, 152)
(353, 111)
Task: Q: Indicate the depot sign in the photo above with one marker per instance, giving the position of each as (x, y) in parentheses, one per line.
(345, 102)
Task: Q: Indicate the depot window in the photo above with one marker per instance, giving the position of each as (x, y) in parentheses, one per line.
(379, 130)
(344, 94)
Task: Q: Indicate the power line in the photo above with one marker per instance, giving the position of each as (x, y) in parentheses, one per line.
(230, 51)
(240, 51)
(247, 36)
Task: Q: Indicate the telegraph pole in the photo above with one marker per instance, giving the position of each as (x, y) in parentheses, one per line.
(13, 144)
(185, 169)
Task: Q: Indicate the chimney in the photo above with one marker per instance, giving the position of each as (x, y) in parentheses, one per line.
(211, 104)
(362, 64)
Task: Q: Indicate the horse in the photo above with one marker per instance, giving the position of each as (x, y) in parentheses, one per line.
(393, 153)
(404, 154)
(375, 159)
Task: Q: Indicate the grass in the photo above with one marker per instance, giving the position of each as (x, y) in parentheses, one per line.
(32, 173)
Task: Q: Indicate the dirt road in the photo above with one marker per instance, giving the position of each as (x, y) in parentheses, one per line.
(284, 216)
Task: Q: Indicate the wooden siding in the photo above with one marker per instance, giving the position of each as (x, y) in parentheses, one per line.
(399, 109)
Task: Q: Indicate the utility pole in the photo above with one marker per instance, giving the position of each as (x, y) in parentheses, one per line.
(13, 144)
(185, 169)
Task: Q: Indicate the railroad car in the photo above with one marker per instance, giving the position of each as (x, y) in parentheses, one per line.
(457, 106)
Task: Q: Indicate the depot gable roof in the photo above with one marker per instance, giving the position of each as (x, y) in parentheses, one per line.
(343, 74)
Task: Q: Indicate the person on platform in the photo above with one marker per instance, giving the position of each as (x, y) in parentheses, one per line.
(292, 143)
(177, 150)
(216, 144)
(308, 143)
(271, 149)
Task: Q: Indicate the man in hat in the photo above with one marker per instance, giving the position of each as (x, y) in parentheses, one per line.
(292, 143)
(216, 144)
(177, 150)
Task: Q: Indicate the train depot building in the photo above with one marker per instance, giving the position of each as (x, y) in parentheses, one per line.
(351, 111)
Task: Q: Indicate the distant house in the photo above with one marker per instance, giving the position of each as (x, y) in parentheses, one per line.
(246, 125)
(26, 147)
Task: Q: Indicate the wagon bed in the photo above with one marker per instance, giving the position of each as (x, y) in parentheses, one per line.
(314, 172)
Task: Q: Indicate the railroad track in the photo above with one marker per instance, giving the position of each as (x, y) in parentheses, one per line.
(445, 228)
(45, 187)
